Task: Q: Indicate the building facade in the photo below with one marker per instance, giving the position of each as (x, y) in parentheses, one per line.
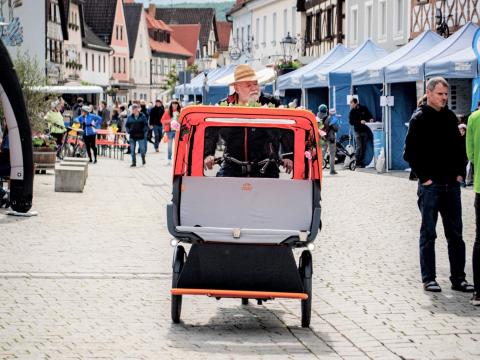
(383, 21)
(271, 22)
(429, 14)
(73, 46)
(140, 53)
(107, 20)
(324, 25)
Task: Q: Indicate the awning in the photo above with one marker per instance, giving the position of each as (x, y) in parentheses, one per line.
(87, 89)
(374, 73)
(413, 68)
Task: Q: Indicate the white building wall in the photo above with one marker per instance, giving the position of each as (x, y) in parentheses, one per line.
(272, 20)
(95, 67)
(241, 22)
(140, 64)
(383, 21)
(32, 17)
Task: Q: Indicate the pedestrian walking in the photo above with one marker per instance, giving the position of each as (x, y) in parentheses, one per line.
(473, 154)
(170, 125)
(88, 123)
(438, 168)
(155, 122)
(55, 123)
(137, 126)
(331, 129)
(360, 115)
(104, 113)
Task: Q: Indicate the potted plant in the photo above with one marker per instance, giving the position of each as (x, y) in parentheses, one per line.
(286, 66)
(44, 151)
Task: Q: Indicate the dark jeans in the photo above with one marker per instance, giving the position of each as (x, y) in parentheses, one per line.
(90, 143)
(476, 246)
(361, 139)
(142, 144)
(157, 132)
(443, 199)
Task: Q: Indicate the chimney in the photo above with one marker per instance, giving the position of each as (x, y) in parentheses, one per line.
(152, 9)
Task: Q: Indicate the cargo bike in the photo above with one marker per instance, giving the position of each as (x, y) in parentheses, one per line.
(243, 225)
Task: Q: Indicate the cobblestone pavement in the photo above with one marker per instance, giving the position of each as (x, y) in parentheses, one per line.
(90, 277)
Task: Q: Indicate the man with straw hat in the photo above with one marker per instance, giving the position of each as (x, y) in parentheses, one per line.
(246, 88)
(248, 144)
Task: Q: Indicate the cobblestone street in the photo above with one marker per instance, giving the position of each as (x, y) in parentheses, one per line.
(89, 277)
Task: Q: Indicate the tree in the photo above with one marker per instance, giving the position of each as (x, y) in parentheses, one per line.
(31, 75)
(172, 79)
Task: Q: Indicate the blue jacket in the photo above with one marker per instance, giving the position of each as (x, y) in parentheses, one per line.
(89, 123)
(137, 127)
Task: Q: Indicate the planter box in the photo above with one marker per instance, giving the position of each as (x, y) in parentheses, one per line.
(285, 71)
(44, 158)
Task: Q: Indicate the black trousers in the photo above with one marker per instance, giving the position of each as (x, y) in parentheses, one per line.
(476, 246)
(90, 142)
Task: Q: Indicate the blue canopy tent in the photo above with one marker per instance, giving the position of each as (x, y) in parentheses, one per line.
(316, 92)
(402, 77)
(369, 82)
(291, 83)
(193, 88)
(215, 92)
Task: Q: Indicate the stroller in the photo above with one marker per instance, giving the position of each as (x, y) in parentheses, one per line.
(345, 153)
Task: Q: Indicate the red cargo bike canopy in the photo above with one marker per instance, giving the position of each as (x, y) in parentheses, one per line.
(194, 120)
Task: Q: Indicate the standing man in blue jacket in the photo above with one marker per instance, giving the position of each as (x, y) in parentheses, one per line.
(88, 122)
(137, 127)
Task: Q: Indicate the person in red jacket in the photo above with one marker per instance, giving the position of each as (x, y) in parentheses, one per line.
(170, 125)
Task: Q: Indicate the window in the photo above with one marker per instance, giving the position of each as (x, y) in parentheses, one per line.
(242, 39)
(257, 30)
(124, 66)
(248, 34)
(318, 28)
(121, 32)
(114, 64)
(274, 27)
(285, 23)
(368, 20)
(237, 40)
(116, 32)
(382, 21)
(264, 29)
(398, 17)
(308, 32)
(86, 61)
(329, 33)
(294, 21)
(354, 25)
(104, 63)
(93, 62)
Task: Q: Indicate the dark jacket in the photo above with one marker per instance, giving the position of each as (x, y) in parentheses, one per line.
(357, 115)
(156, 114)
(137, 126)
(433, 145)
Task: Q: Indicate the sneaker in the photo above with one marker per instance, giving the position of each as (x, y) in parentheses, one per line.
(133, 165)
(95, 161)
(90, 160)
(333, 173)
(475, 301)
(464, 286)
(143, 161)
(156, 150)
(431, 286)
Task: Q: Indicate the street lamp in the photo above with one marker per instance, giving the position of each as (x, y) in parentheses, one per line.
(207, 61)
(288, 44)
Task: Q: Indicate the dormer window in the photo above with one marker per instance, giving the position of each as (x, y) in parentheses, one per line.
(162, 36)
(168, 38)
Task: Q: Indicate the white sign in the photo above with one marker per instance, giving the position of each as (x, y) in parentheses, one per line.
(383, 101)
(391, 101)
(387, 101)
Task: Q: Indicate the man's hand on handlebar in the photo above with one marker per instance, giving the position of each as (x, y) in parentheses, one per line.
(209, 162)
(288, 165)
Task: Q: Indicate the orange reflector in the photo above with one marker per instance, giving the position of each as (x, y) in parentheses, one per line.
(240, 294)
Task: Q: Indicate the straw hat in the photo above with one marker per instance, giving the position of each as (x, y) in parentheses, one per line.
(244, 72)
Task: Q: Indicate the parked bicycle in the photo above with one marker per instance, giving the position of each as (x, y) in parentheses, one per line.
(72, 145)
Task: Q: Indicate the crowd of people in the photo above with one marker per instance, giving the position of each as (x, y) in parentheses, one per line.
(142, 122)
